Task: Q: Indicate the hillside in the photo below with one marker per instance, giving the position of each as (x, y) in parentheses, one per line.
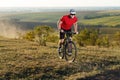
(24, 60)
(104, 18)
(107, 21)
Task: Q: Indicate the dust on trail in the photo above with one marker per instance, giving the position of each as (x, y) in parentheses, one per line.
(9, 29)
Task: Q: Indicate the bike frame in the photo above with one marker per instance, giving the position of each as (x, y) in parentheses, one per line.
(67, 40)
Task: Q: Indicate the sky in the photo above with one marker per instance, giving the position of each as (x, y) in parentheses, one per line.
(59, 3)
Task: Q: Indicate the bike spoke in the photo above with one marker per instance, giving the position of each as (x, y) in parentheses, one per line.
(70, 56)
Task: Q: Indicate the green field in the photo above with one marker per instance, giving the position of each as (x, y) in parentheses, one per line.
(107, 18)
(107, 21)
(43, 16)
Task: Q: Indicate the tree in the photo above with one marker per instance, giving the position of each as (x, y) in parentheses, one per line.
(41, 33)
(103, 41)
(87, 37)
(29, 36)
(117, 38)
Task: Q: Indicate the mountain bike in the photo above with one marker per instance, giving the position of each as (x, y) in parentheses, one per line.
(68, 48)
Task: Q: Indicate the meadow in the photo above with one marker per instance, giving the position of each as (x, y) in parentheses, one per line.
(26, 60)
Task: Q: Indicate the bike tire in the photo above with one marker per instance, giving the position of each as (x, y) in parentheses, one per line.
(61, 54)
(72, 57)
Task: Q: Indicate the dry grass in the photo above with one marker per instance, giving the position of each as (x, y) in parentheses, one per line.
(24, 60)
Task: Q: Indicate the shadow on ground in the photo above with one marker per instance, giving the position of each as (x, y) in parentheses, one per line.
(107, 75)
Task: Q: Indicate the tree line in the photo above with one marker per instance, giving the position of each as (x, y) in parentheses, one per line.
(99, 16)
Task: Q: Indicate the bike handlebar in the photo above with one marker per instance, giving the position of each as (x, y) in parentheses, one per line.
(69, 32)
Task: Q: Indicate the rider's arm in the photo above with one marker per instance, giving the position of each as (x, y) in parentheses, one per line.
(59, 25)
(75, 27)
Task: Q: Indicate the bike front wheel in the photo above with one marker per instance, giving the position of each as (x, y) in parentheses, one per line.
(61, 52)
(70, 51)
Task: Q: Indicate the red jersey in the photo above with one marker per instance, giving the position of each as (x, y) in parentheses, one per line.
(67, 22)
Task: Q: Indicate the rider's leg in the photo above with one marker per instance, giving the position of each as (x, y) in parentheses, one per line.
(60, 43)
(62, 35)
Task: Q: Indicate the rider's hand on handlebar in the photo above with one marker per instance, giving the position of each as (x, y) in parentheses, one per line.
(61, 30)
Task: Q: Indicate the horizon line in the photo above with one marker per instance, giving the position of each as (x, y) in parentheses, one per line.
(55, 7)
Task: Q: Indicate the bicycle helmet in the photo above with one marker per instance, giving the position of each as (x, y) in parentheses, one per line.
(72, 11)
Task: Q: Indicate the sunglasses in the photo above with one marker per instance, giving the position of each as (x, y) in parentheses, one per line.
(72, 14)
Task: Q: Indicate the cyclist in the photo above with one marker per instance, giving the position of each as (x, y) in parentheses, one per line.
(65, 25)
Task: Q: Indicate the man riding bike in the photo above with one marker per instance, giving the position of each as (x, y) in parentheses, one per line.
(65, 25)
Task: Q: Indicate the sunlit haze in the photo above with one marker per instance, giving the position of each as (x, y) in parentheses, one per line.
(58, 3)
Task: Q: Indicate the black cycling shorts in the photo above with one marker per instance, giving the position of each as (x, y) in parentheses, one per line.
(62, 34)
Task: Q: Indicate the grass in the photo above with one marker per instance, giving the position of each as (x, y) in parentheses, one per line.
(108, 21)
(43, 16)
(110, 11)
(24, 60)
(37, 17)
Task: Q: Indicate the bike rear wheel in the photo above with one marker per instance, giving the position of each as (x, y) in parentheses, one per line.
(70, 51)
